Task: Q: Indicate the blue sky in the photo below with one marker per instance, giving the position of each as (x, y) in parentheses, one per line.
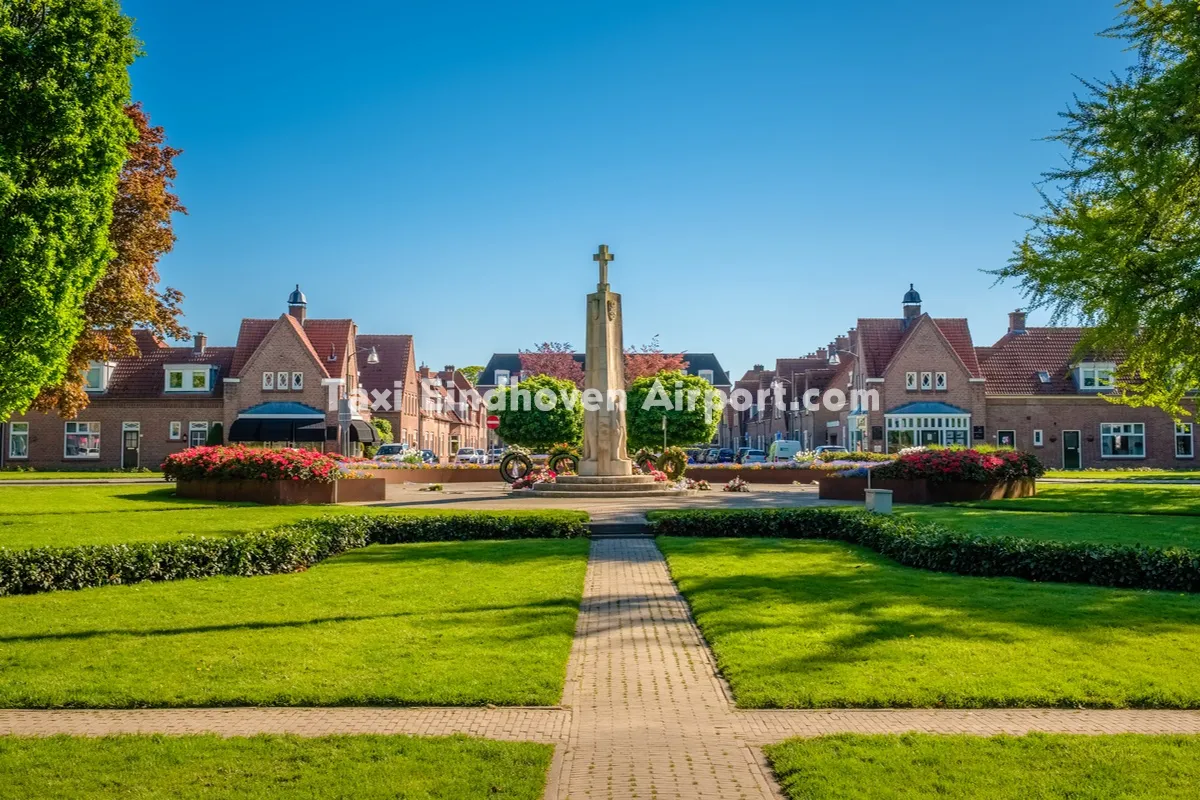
(764, 172)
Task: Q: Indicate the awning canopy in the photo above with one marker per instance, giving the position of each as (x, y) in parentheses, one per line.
(278, 422)
(928, 407)
(361, 431)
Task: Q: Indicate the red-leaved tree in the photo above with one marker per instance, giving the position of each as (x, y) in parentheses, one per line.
(555, 359)
(649, 359)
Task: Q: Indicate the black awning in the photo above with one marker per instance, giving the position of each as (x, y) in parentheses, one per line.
(363, 432)
(268, 429)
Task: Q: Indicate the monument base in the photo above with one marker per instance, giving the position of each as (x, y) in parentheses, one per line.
(600, 486)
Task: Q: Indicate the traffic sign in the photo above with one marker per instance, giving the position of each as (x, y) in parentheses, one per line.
(493, 422)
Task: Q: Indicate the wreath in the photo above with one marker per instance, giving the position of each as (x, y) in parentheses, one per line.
(673, 462)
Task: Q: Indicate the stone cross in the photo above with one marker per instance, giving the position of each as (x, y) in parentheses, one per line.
(603, 256)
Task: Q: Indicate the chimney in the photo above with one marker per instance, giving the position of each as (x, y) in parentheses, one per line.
(842, 343)
(423, 371)
(758, 367)
(298, 305)
(448, 368)
(1016, 321)
(200, 343)
(912, 306)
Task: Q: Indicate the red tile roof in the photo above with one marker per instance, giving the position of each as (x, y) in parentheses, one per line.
(330, 337)
(1012, 364)
(881, 338)
(250, 336)
(144, 377)
(394, 352)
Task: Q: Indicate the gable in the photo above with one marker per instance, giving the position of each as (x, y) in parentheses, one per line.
(925, 348)
(284, 348)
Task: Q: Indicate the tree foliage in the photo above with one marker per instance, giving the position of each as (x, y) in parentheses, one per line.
(472, 373)
(127, 295)
(523, 423)
(688, 422)
(64, 85)
(555, 359)
(1117, 242)
(649, 360)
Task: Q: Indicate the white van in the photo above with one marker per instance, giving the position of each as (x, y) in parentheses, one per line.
(783, 450)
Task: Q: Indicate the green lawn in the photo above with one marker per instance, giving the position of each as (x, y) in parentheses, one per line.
(39, 475)
(37, 516)
(276, 767)
(1105, 498)
(447, 623)
(802, 624)
(1036, 767)
(1153, 530)
(1126, 474)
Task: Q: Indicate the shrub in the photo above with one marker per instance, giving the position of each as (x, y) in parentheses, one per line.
(856, 455)
(927, 546)
(287, 549)
(942, 465)
(216, 434)
(249, 463)
(693, 422)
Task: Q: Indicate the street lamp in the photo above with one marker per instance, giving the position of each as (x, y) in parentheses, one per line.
(344, 410)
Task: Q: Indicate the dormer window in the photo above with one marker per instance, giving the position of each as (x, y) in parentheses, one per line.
(189, 378)
(502, 377)
(95, 379)
(1094, 377)
(1043, 377)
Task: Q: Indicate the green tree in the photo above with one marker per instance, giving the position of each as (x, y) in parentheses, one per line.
(383, 429)
(216, 434)
(471, 373)
(1116, 245)
(64, 85)
(689, 420)
(523, 423)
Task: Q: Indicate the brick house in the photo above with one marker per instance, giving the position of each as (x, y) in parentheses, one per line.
(934, 386)
(279, 385)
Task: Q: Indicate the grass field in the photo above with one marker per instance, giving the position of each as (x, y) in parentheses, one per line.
(36, 516)
(448, 623)
(73, 475)
(801, 624)
(1093, 498)
(1152, 530)
(1126, 474)
(278, 767)
(1036, 767)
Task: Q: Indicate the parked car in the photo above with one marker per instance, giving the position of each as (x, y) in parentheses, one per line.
(783, 450)
(430, 457)
(495, 454)
(741, 452)
(712, 456)
(830, 448)
(753, 457)
(470, 455)
(394, 451)
(724, 456)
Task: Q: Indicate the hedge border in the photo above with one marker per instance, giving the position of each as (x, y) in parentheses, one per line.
(929, 546)
(289, 548)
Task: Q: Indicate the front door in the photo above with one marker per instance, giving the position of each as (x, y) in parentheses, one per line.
(130, 443)
(1071, 457)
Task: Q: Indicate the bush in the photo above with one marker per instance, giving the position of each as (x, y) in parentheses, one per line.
(287, 549)
(856, 455)
(932, 547)
(974, 466)
(216, 434)
(691, 423)
(249, 463)
(528, 426)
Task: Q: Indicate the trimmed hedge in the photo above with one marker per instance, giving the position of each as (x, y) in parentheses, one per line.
(927, 546)
(287, 549)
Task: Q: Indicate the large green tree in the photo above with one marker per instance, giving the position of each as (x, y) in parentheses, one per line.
(691, 405)
(64, 134)
(1117, 242)
(559, 419)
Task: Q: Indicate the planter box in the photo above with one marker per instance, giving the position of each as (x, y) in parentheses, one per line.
(284, 493)
(437, 475)
(923, 492)
(751, 475)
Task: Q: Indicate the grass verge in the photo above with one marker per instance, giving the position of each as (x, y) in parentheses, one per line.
(812, 624)
(1104, 498)
(276, 767)
(1034, 767)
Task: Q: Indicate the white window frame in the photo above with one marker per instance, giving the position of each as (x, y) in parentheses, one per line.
(926, 381)
(281, 381)
(910, 381)
(1037, 437)
(1093, 370)
(939, 381)
(1122, 432)
(1191, 439)
(297, 381)
(175, 430)
(73, 429)
(13, 435)
(268, 382)
(187, 377)
(705, 374)
(197, 427)
(104, 372)
(503, 377)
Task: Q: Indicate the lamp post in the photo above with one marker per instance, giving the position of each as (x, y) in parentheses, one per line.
(344, 410)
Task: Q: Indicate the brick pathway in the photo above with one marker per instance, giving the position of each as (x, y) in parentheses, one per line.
(644, 713)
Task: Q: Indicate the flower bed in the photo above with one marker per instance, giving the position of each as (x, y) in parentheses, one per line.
(945, 465)
(290, 492)
(240, 463)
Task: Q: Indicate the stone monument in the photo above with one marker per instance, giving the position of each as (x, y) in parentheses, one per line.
(604, 452)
